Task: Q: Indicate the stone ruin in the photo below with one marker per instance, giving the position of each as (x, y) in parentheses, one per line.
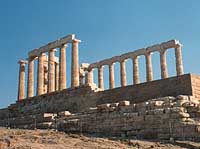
(156, 109)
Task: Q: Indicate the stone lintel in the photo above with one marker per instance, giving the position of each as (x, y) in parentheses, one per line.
(153, 48)
(52, 45)
(137, 53)
(170, 44)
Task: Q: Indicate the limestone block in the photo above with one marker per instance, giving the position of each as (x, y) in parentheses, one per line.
(114, 104)
(64, 113)
(49, 115)
(182, 97)
(103, 107)
(177, 109)
(193, 109)
(179, 103)
(124, 103)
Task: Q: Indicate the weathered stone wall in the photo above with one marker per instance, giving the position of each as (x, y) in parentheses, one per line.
(161, 118)
(77, 100)
(179, 85)
(195, 80)
(80, 99)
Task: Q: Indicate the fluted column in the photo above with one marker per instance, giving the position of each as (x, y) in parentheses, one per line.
(57, 76)
(21, 84)
(149, 72)
(90, 80)
(75, 64)
(62, 68)
(111, 76)
(30, 90)
(123, 73)
(51, 71)
(40, 79)
(100, 77)
(179, 62)
(136, 78)
(163, 64)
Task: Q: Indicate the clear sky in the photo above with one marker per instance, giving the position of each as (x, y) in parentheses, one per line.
(106, 28)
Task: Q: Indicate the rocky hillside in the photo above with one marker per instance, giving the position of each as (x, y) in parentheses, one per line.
(48, 139)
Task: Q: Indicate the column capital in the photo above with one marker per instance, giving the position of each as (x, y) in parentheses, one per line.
(22, 62)
(122, 60)
(76, 41)
(135, 57)
(178, 45)
(42, 54)
(63, 46)
(53, 50)
(148, 53)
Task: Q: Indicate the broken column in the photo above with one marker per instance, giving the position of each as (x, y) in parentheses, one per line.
(62, 68)
(75, 64)
(90, 77)
(30, 90)
(123, 72)
(149, 72)
(21, 84)
(179, 62)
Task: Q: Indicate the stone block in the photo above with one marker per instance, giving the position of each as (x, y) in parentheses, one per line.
(49, 115)
(124, 103)
(64, 113)
(103, 107)
(182, 97)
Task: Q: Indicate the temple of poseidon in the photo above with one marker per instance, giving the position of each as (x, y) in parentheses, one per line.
(155, 109)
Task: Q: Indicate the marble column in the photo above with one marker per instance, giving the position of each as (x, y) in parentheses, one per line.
(57, 76)
(149, 72)
(136, 78)
(111, 76)
(62, 68)
(75, 64)
(123, 73)
(30, 90)
(90, 80)
(51, 71)
(163, 64)
(40, 75)
(179, 62)
(21, 84)
(100, 77)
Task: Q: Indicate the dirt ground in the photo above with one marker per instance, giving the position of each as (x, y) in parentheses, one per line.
(48, 139)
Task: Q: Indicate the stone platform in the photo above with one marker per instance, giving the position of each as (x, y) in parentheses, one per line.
(42, 111)
(80, 99)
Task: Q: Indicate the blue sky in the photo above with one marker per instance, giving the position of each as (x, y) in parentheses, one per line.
(106, 27)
